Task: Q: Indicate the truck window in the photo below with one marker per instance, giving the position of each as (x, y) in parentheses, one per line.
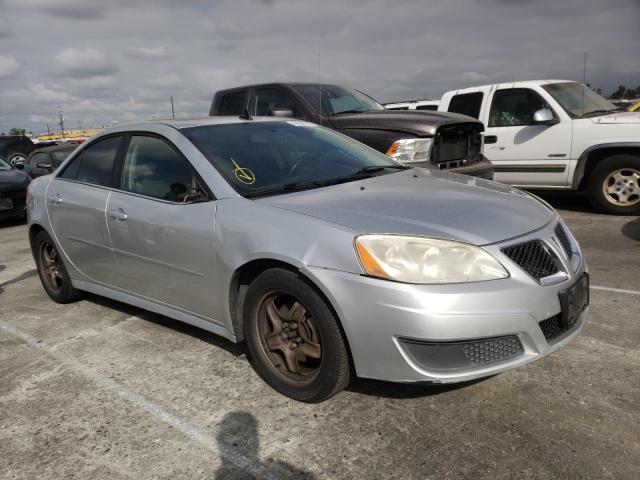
(268, 99)
(466, 104)
(515, 107)
(232, 103)
(435, 107)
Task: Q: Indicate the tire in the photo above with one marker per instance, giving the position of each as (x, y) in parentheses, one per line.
(614, 185)
(52, 272)
(312, 363)
(17, 157)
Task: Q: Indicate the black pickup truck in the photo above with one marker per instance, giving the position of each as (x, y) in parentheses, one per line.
(442, 141)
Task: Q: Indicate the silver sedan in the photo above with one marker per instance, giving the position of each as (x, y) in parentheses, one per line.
(327, 258)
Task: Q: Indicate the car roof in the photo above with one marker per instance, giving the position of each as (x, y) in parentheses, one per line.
(179, 124)
(53, 148)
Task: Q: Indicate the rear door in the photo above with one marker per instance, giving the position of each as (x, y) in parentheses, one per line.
(76, 203)
(523, 152)
(163, 236)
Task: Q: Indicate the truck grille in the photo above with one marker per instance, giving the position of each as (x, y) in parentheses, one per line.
(533, 258)
(456, 146)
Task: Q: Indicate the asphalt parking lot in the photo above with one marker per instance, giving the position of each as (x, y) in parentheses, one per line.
(98, 389)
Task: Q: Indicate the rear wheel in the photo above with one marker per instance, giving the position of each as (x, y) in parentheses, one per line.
(52, 273)
(614, 185)
(293, 337)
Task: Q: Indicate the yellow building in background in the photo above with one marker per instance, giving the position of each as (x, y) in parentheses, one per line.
(68, 135)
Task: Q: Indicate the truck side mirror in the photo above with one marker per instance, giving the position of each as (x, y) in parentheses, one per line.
(282, 112)
(544, 116)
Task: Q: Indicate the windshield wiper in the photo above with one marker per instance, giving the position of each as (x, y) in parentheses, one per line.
(350, 111)
(289, 187)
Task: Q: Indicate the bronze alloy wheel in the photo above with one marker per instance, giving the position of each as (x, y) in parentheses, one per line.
(51, 266)
(289, 338)
(622, 187)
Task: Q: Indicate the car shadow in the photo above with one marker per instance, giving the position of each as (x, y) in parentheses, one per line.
(379, 388)
(12, 222)
(238, 444)
(181, 327)
(632, 229)
(574, 201)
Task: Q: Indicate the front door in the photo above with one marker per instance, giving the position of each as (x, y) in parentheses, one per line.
(523, 152)
(162, 234)
(76, 202)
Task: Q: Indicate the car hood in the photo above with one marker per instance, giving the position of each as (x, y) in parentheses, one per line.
(619, 118)
(423, 202)
(420, 123)
(13, 180)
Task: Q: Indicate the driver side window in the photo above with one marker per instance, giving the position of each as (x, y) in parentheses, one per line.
(266, 100)
(515, 107)
(154, 169)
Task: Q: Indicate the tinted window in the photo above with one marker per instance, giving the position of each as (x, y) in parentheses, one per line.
(232, 103)
(336, 99)
(71, 169)
(96, 166)
(153, 168)
(58, 156)
(514, 107)
(466, 104)
(397, 108)
(266, 100)
(432, 107)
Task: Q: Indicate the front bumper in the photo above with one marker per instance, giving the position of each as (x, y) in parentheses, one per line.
(482, 169)
(388, 324)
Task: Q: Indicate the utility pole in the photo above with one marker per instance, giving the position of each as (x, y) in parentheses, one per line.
(61, 123)
(48, 130)
(173, 114)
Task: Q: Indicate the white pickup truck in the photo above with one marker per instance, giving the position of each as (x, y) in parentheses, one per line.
(557, 134)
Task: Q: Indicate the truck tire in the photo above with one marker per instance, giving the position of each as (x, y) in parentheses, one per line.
(614, 185)
(17, 158)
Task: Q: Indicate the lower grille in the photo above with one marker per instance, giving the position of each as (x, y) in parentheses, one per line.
(533, 258)
(552, 328)
(492, 350)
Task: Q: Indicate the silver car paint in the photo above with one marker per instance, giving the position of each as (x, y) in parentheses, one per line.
(314, 232)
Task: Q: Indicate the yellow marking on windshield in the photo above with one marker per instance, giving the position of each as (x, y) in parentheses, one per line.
(243, 174)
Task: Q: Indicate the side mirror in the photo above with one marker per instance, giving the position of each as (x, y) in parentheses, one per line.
(44, 165)
(544, 116)
(282, 112)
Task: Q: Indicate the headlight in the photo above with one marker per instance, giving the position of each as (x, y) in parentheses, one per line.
(425, 260)
(411, 150)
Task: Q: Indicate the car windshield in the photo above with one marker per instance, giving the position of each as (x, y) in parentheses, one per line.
(4, 165)
(260, 158)
(336, 99)
(578, 100)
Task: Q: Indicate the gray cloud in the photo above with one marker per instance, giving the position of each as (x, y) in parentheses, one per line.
(120, 60)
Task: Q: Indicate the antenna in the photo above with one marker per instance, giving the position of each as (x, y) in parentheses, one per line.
(319, 89)
(61, 123)
(173, 113)
(584, 77)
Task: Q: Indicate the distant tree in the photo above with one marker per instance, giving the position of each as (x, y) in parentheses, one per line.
(17, 131)
(619, 93)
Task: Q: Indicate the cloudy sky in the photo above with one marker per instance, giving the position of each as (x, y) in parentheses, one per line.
(120, 60)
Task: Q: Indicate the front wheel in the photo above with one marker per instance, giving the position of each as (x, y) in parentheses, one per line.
(17, 158)
(293, 337)
(614, 185)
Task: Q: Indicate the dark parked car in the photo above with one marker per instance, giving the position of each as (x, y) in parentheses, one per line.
(15, 148)
(43, 161)
(436, 140)
(13, 191)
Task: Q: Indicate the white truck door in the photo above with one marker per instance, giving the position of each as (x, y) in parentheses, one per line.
(526, 153)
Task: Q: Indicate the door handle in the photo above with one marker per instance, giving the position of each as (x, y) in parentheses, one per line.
(118, 214)
(490, 139)
(55, 199)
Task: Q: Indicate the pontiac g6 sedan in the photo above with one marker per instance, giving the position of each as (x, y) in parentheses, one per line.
(327, 258)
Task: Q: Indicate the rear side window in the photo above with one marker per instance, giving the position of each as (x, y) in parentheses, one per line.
(466, 104)
(232, 103)
(96, 165)
(266, 100)
(154, 169)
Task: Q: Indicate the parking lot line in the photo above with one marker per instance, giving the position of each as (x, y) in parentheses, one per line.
(616, 290)
(158, 412)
